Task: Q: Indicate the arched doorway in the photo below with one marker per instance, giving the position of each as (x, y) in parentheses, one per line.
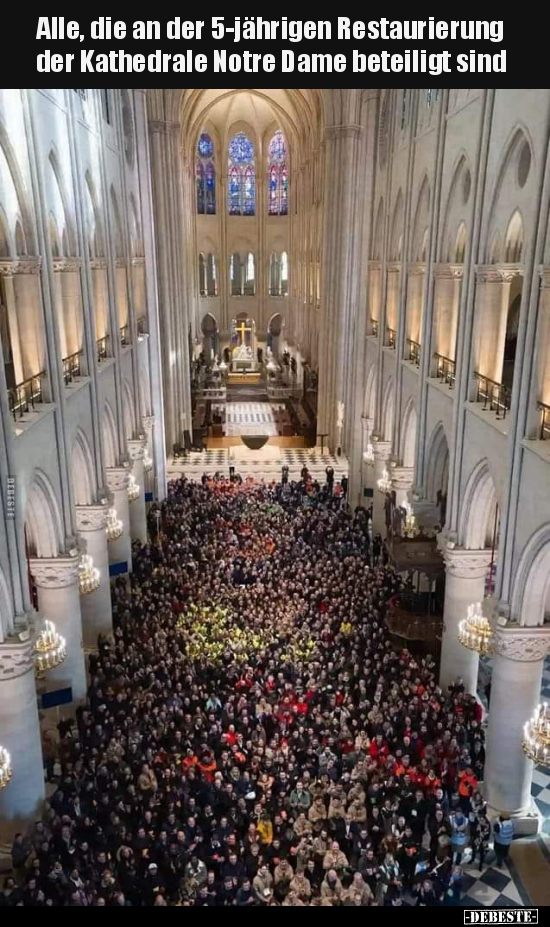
(209, 329)
(274, 334)
(437, 472)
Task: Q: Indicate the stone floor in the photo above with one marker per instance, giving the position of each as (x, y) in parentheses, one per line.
(267, 466)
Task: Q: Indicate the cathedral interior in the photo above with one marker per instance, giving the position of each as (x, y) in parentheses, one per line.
(340, 297)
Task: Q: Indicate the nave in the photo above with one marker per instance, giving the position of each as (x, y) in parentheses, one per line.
(253, 737)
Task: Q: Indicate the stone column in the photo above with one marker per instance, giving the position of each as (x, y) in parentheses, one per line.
(148, 422)
(138, 514)
(120, 551)
(382, 454)
(97, 617)
(20, 732)
(403, 482)
(464, 586)
(57, 583)
(515, 694)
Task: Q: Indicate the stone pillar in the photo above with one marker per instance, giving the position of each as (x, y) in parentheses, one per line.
(491, 318)
(120, 551)
(464, 586)
(22, 799)
(515, 694)
(382, 454)
(148, 422)
(403, 482)
(97, 617)
(138, 514)
(415, 303)
(367, 470)
(57, 583)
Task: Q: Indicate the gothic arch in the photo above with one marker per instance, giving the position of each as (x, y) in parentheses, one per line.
(44, 524)
(421, 223)
(408, 432)
(6, 247)
(369, 407)
(16, 179)
(477, 514)
(511, 190)
(457, 209)
(118, 236)
(84, 481)
(110, 443)
(397, 227)
(437, 464)
(68, 234)
(531, 588)
(94, 221)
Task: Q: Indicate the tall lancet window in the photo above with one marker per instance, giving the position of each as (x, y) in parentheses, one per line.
(278, 176)
(242, 176)
(206, 176)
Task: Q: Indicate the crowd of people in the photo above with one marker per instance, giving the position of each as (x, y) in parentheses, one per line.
(252, 736)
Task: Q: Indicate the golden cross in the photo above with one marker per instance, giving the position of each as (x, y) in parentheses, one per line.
(242, 332)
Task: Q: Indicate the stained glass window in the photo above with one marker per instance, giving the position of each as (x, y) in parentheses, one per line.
(206, 176)
(242, 176)
(278, 176)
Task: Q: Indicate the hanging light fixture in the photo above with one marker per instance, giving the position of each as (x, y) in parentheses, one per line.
(147, 462)
(51, 649)
(536, 736)
(6, 772)
(475, 631)
(411, 529)
(133, 489)
(115, 528)
(89, 575)
(369, 455)
(385, 485)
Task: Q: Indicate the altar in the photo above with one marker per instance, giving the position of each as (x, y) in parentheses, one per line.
(243, 360)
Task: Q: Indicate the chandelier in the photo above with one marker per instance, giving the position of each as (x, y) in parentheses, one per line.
(115, 528)
(411, 529)
(385, 484)
(133, 489)
(369, 455)
(536, 736)
(6, 772)
(475, 632)
(51, 649)
(89, 575)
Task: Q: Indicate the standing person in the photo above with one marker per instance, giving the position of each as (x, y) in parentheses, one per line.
(482, 835)
(305, 474)
(504, 834)
(330, 479)
(459, 836)
(345, 486)
(286, 472)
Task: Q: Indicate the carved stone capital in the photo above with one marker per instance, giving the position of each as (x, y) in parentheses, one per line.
(118, 479)
(138, 262)
(468, 564)
(402, 477)
(495, 273)
(448, 271)
(67, 265)
(375, 265)
(524, 645)
(91, 517)
(367, 425)
(156, 127)
(55, 572)
(16, 658)
(394, 267)
(136, 449)
(98, 263)
(417, 270)
(121, 262)
(28, 265)
(351, 131)
(148, 422)
(382, 450)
